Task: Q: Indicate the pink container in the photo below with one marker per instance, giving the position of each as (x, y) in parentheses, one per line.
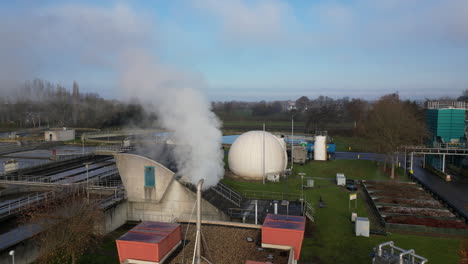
(149, 241)
(284, 230)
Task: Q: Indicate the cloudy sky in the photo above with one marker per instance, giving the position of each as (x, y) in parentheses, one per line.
(245, 49)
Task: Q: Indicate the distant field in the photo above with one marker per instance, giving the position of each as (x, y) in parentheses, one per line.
(299, 126)
(331, 238)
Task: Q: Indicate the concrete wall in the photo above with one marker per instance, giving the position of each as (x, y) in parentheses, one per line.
(59, 135)
(25, 252)
(115, 217)
(167, 201)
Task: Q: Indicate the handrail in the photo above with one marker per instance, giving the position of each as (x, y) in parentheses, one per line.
(18, 206)
(228, 193)
(265, 195)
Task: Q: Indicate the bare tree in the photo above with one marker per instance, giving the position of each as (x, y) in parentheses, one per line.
(391, 124)
(70, 226)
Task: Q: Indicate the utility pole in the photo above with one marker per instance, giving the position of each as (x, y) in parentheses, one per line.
(264, 169)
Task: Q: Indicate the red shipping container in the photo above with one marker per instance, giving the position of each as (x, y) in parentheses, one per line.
(149, 241)
(282, 230)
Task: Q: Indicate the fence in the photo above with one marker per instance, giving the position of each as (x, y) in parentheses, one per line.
(19, 205)
(263, 195)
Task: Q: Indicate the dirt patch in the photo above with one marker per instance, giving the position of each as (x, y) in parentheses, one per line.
(410, 202)
(431, 222)
(416, 211)
(401, 194)
(226, 245)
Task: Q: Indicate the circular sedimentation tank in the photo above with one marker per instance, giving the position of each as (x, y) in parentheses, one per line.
(256, 152)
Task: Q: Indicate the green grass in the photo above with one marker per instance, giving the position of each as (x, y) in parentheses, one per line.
(332, 239)
(357, 144)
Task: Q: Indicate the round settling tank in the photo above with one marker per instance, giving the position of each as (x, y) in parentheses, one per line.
(256, 152)
(320, 148)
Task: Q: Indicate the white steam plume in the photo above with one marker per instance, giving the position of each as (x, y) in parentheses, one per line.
(182, 109)
(91, 39)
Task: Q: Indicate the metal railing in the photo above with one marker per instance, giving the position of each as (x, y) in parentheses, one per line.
(241, 213)
(228, 193)
(309, 210)
(112, 148)
(263, 195)
(394, 254)
(26, 202)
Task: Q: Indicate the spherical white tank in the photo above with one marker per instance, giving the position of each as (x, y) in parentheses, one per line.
(320, 148)
(256, 152)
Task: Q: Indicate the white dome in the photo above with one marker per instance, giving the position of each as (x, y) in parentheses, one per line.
(246, 155)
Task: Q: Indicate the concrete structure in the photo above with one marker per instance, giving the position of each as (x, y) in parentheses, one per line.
(362, 226)
(59, 134)
(257, 153)
(320, 148)
(153, 193)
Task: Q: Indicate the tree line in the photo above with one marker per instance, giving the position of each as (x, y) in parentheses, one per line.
(40, 103)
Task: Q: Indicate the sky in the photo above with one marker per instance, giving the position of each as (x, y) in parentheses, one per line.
(245, 49)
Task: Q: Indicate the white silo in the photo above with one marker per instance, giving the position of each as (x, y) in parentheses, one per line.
(320, 148)
(257, 153)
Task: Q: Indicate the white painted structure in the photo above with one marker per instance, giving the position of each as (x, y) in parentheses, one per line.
(63, 134)
(340, 179)
(362, 226)
(167, 200)
(320, 148)
(256, 154)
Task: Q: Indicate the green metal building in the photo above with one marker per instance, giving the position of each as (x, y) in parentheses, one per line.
(446, 125)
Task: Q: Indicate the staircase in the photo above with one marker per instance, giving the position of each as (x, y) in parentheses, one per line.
(223, 197)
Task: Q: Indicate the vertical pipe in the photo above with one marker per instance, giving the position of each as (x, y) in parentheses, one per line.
(412, 162)
(263, 176)
(256, 212)
(443, 162)
(198, 244)
(276, 207)
(292, 141)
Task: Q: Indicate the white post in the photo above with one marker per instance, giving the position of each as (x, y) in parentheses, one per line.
(256, 212)
(443, 162)
(263, 163)
(276, 207)
(292, 142)
(12, 254)
(412, 161)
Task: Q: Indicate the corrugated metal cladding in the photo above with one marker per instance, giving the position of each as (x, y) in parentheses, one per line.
(149, 241)
(447, 124)
(285, 231)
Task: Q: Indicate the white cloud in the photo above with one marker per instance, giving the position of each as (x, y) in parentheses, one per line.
(258, 20)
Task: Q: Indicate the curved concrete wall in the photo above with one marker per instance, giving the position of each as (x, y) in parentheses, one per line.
(169, 200)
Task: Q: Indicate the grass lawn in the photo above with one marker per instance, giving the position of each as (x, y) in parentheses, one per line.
(332, 239)
(357, 144)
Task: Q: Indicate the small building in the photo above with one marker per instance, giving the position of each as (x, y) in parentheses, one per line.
(149, 242)
(284, 232)
(299, 154)
(59, 134)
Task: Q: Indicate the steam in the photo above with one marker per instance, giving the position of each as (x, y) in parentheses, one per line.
(90, 39)
(181, 108)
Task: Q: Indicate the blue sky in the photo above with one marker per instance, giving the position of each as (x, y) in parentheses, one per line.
(248, 49)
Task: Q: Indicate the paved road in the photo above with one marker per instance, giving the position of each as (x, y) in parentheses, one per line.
(456, 193)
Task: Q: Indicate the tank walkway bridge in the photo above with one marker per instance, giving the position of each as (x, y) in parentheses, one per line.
(110, 135)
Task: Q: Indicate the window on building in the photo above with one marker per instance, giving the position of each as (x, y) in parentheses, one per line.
(150, 179)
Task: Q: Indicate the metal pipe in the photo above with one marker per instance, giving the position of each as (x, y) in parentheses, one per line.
(198, 242)
(410, 251)
(389, 243)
